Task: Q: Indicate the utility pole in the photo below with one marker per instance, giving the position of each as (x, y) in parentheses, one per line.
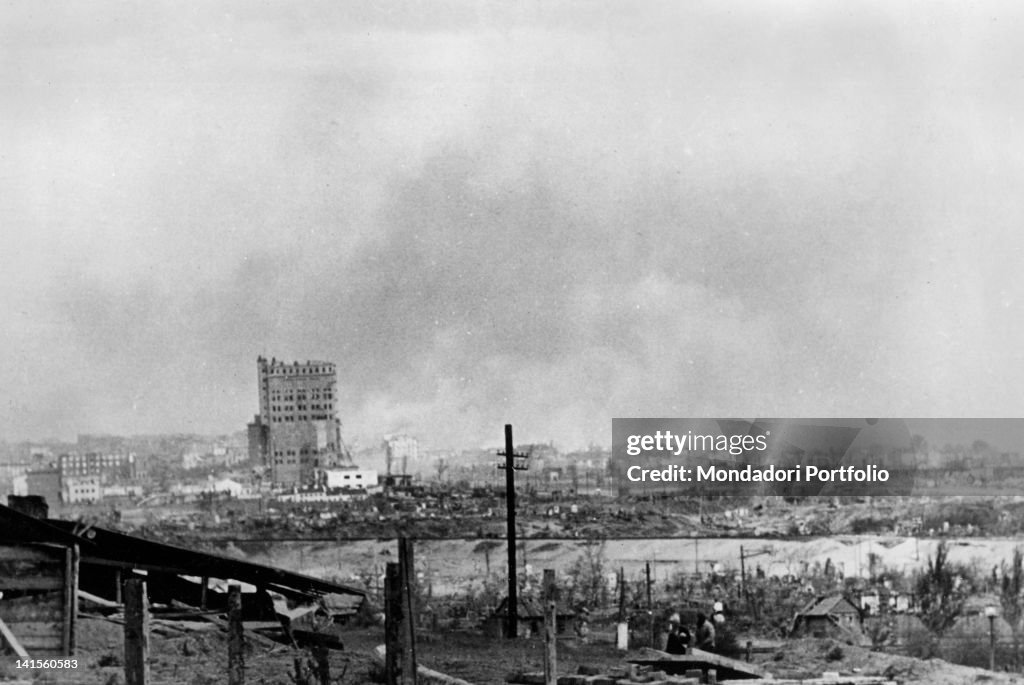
(650, 608)
(510, 466)
(743, 571)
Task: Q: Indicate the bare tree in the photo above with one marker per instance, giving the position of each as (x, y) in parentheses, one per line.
(942, 590)
(1010, 595)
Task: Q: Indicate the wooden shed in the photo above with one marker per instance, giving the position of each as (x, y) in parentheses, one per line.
(39, 586)
(831, 616)
(531, 618)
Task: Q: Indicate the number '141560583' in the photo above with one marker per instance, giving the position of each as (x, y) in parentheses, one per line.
(46, 663)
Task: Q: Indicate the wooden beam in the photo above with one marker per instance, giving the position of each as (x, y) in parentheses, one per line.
(221, 623)
(13, 641)
(699, 658)
(99, 601)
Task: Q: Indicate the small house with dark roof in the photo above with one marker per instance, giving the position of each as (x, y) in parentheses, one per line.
(828, 616)
(531, 618)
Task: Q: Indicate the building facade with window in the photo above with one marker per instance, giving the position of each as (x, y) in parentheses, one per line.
(297, 431)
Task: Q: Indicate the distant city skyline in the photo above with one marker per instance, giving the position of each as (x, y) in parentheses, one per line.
(546, 214)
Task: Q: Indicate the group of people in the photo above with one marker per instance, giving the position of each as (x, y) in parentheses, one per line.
(680, 639)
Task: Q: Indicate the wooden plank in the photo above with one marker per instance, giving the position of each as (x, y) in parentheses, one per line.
(33, 613)
(221, 623)
(31, 574)
(34, 629)
(97, 600)
(41, 607)
(379, 655)
(34, 645)
(698, 658)
(12, 641)
(32, 553)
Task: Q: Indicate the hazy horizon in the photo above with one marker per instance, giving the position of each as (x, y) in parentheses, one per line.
(544, 214)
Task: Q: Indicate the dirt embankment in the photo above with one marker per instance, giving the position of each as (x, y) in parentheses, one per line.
(810, 658)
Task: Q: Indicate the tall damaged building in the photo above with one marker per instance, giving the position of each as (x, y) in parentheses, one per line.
(297, 431)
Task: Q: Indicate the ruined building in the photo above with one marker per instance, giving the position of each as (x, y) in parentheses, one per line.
(297, 431)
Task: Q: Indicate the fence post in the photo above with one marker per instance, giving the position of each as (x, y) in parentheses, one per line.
(407, 635)
(136, 633)
(322, 659)
(550, 628)
(394, 615)
(236, 638)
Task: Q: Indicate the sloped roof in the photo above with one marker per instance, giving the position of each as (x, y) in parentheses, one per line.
(830, 605)
(100, 546)
(531, 608)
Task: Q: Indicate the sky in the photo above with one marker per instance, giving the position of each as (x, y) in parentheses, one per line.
(540, 213)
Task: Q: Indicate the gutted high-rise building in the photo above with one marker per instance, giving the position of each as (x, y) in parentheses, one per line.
(297, 430)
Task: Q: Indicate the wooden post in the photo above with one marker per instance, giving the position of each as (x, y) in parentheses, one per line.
(70, 599)
(512, 607)
(392, 624)
(743, 576)
(650, 608)
(550, 629)
(322, 658)
(301, 675)
(622, 594)
(203, 591)
(236, 636)
(136, 632)
(407, 635)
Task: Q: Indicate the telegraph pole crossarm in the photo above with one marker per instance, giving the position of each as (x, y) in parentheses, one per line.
(510, 467)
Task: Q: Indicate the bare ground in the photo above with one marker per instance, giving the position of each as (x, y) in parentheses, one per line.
(199, 658)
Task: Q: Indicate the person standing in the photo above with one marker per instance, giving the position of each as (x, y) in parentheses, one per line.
(678, 636)
(705, 634)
